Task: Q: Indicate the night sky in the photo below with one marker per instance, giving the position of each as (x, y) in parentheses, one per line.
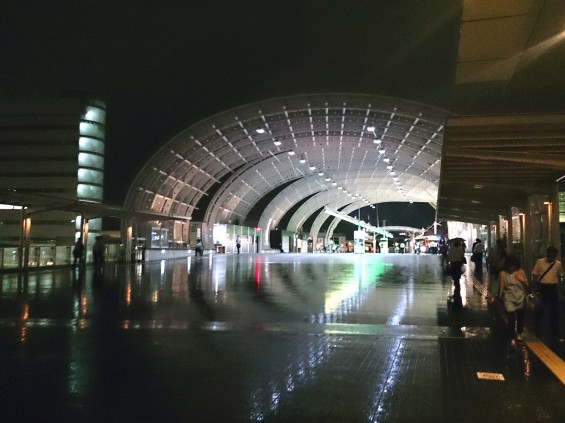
(163, 66)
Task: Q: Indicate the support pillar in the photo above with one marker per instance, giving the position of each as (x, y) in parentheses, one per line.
(509, 231)
(27, 241)
(553, 217)
(128, 235)
(84, 232)
(21, 244)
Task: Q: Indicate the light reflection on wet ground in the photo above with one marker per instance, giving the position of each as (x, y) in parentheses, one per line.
(246, 288)
(258, 338)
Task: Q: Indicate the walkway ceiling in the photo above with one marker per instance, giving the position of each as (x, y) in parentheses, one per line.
(368, 148)
(516, 42)
(491, 163)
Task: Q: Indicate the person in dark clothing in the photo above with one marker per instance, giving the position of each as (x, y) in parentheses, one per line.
(547, 274)
(443, 248)
(455, 256)
(238, 244)
(78, 254)
(477, 258)
(199, 248)
(98, 253)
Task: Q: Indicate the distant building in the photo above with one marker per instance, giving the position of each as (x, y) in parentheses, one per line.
(51, 148)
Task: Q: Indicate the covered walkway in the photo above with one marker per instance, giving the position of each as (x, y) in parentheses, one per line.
(277, 337)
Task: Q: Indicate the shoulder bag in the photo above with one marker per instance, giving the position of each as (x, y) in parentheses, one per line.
(533, 301)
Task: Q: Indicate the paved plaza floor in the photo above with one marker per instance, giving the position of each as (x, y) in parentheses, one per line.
(263, 338)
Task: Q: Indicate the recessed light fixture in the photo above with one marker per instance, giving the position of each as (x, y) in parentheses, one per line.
(340, 187)
(382, 151)
(386, 160)
(377, 141)
(312, 167)
(278, 143)
(302, 160)
(371, 128)
(291, 153)
(328, 179)
(334, 183)
(260, 131)
(393, 173)
(389, 167)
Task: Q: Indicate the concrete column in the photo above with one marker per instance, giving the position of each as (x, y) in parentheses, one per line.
(491, 236)
(27, 241)
(21, 245)
(127, 238)
(84, 231)
(553, 216)
(528, 242)
(129, 242)
(207, 236)
(510, 231)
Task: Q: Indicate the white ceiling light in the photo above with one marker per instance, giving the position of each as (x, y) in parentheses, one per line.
(260, 130)
(377, 141)
(291, 153)
(320, 173)
(386, 160)
(371, 128)
(277, 143)
(382, 151)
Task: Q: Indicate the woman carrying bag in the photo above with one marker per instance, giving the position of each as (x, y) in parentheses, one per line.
(546, 274)
(513, 284)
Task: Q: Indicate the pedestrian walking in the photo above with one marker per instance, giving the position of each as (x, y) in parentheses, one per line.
(495, 263)
(512, 292)
(477, 258)
(199, 248)
(238, 244)
(546, 275)
(98, 253)
(443, 248)
(78, 253)
(456, 259)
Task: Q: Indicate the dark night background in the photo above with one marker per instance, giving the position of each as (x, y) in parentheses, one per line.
(163, 66)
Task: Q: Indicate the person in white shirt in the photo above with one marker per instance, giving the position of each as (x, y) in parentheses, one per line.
(455, 256)
(477, 258)
(547, 273)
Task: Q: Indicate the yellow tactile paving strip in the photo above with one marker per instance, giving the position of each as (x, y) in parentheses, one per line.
(553, 362)
(547, 357)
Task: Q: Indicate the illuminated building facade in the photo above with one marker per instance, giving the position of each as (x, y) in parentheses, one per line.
(49, 148)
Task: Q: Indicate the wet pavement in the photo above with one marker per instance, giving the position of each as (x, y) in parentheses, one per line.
(273, 338)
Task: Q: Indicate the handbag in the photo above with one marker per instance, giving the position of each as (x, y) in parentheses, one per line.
(533, 302)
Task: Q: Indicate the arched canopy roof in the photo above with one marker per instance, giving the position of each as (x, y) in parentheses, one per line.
(369, 148)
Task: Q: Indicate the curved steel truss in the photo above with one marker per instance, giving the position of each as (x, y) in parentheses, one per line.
(340, 148)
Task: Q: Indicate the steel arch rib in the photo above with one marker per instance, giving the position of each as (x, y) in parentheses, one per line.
(330, 132)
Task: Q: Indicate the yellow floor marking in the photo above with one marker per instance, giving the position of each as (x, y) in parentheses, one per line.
(490, 376)
(548, 357)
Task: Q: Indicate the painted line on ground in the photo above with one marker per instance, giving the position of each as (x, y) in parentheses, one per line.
(551, 360)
